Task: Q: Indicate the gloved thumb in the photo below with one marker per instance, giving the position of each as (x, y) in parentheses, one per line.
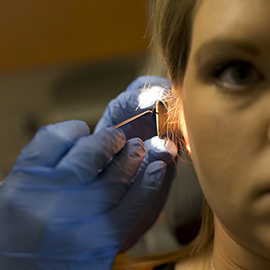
(92, 154)
(158, 149)
(51, 143)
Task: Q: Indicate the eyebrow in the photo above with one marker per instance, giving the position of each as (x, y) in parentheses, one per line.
(225, 45)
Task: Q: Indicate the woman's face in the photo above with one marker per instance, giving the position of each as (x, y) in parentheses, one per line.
(226, 95)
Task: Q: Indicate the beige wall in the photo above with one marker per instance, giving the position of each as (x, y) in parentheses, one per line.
(45, 32)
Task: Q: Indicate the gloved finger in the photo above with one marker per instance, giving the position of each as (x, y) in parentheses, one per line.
(125, 106)
(138, 198)
(143, 127)
(152, 212)
(92, 154)
(132, 102)
(115, 180)
(109, 186)
(158, 149)
(119, 109)
(102, 194)
(127, 103)
(107, 189)
(51, 143)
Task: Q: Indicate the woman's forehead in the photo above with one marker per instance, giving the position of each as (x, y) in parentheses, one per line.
(239, 20)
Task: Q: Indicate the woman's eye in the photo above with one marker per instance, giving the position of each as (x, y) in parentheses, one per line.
(236, 76)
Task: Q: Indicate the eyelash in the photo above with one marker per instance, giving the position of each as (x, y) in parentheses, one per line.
(227, 70)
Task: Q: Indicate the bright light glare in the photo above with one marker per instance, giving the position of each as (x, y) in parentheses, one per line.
(163, 145)
(188, 148)
(148, 97)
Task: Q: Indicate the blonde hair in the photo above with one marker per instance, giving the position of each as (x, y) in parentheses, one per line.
(171, 41)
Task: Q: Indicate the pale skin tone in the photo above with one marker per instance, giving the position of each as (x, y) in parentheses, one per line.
(226, 96)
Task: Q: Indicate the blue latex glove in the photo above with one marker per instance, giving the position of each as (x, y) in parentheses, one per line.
(132, 102)
(126, 105)
(72, 199)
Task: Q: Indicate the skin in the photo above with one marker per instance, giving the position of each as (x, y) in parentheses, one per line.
(228, 121)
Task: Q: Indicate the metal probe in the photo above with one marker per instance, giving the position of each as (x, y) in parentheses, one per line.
(161, 110)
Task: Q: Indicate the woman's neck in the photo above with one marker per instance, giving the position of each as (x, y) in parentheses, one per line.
(228, 254)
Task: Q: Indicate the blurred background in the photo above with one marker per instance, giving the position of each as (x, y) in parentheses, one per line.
(63, 60)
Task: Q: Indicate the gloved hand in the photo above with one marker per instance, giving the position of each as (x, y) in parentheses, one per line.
(129, 103)
(72, 199)
(132, 102)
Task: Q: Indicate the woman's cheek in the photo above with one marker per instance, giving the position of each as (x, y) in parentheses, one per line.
(213, 138)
